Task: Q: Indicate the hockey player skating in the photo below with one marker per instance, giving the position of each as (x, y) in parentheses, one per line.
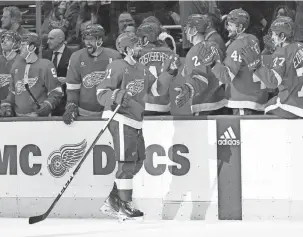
(86, 70)
(286, 72)
(127, 83)
(34, 87)
(152, 55)
(10, 44)
(206, 91)
(245, 94)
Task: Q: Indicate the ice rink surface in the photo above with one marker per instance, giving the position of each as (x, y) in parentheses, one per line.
(111, 228)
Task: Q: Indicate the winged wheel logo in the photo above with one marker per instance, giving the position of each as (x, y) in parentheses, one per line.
(60, 161)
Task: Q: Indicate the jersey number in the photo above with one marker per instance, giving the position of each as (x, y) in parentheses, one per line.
(278, 61)
(196, 63)
(236, 57)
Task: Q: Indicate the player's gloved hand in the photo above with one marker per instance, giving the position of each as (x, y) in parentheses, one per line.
(186, 91)
(172, 64)
(45, 109)
(71, 113)
(269, 44)
(6, 110)
(209, 55)
(251, 57)
(121, 97)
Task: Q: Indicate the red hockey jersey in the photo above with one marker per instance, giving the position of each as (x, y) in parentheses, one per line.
(138, 81)
(83, 75)
(209, 91)
(153, 57)
(242, 89)
(286, 73)
(5, 76)
(41, 76)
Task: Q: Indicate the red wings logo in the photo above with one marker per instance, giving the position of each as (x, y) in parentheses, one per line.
(93, 79)
(4, 79)
(60, 161)
(20, 84)
(135, 87)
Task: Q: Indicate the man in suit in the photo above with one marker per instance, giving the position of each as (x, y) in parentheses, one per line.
(59, 54)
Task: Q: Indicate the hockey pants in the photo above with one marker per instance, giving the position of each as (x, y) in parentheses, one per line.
(129, 149)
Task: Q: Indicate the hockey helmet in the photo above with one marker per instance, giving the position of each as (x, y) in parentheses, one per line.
(126, 39)
(198, 22)
(283, 25)
(93, 30)
(149, 30)
(31, 38)
(239, 16)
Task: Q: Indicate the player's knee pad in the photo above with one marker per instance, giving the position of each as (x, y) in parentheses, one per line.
(125, 169)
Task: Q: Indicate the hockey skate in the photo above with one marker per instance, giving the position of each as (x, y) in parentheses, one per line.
(111, 206)
(128, 212)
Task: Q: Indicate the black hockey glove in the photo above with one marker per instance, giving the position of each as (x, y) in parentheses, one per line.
(186, 91)
(6, 110)
(121, 97)
(209, 55)
(269, 44)
(172, 64)
(251, 58)
(71, 113)
(45, 109)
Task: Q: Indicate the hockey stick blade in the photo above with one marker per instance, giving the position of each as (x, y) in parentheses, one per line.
(31, 95)
(36, 219)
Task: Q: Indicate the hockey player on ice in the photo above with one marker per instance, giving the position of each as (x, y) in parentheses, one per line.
(206, 91)
(86, 70)
(127, 83)
(245, 94)
(41, 78)
(285, 73)
(10, 44)
(152, 55)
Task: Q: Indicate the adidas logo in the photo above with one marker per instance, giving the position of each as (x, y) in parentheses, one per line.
(229, 138)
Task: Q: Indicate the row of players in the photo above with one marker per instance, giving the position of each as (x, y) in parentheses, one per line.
(99, 78)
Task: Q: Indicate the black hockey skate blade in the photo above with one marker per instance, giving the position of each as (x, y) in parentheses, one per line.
(131, 220)
(36, 219)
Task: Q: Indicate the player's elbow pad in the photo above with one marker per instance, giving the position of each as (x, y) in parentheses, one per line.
(199, 83)
(270, 78)
(222, 73)
(104, 97)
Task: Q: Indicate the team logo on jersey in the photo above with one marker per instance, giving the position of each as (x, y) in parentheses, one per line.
(5, 79)
(16, 71)
(93, 79)
(60, 161)
(20, 84)
(135, 87)
(228, 138)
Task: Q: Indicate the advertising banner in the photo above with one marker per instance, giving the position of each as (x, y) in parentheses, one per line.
(271, 153)
(180, 165)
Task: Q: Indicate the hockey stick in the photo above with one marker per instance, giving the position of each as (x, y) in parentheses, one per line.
(31, 95)
(35, 219)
